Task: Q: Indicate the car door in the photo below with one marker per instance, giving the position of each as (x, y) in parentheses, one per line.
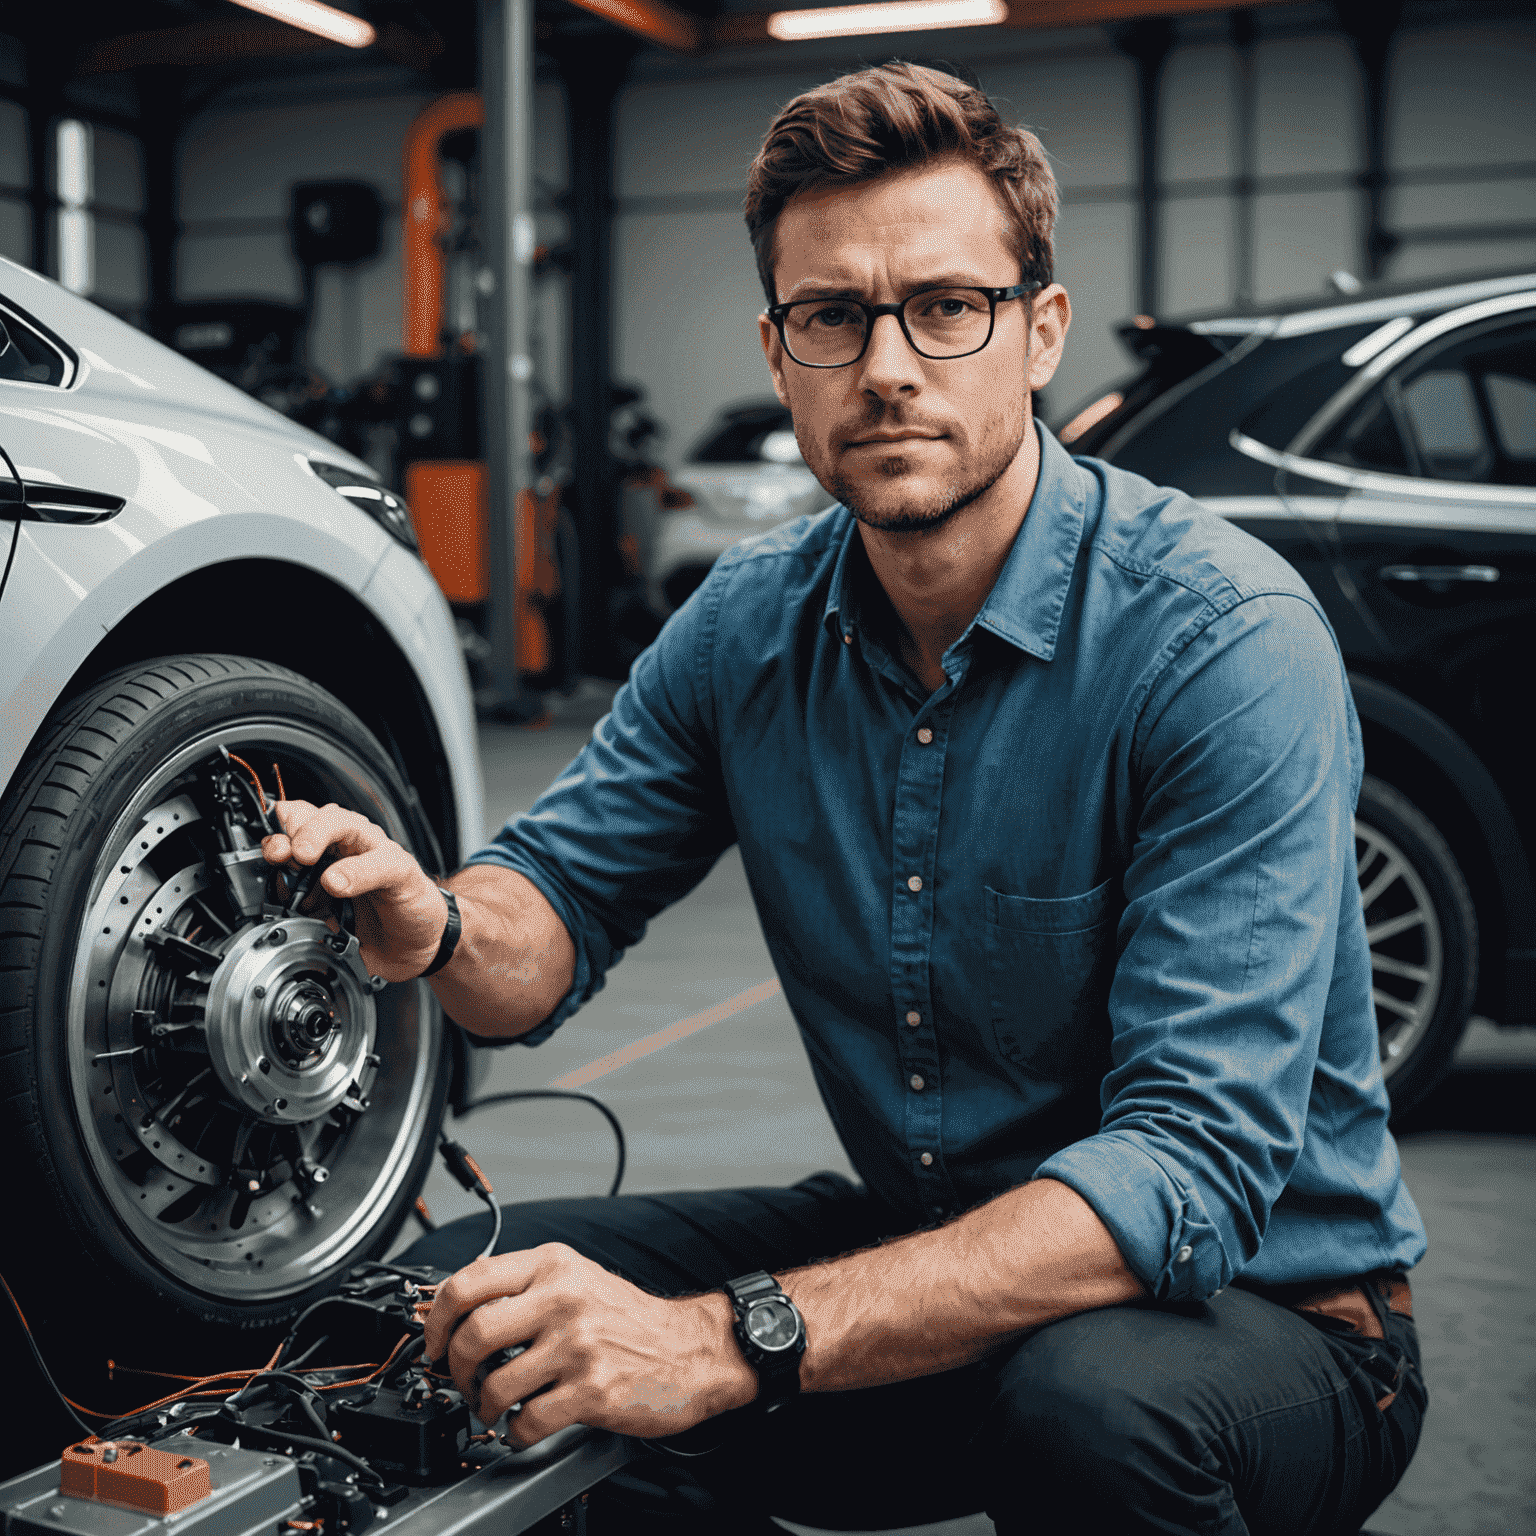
(1438, 537)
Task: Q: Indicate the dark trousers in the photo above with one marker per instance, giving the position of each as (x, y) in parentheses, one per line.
(1227, 1416)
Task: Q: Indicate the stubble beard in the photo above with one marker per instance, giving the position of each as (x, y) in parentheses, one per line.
(998, 452)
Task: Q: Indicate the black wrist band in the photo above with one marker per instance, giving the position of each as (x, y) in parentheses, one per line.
(450, 940)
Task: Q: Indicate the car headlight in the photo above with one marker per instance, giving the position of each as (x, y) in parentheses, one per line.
(383, 506)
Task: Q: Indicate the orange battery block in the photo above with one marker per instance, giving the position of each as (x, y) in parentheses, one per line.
(133, 1476)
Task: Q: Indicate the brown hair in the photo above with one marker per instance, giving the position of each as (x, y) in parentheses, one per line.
(857, 127)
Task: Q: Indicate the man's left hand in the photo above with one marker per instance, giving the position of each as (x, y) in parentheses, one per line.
(599, 1350)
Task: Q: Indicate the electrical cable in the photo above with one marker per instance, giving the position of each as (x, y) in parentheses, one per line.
(560, 1093)
(329, 1448)
(304, 1316)
(53, 1386)
(495, 1207)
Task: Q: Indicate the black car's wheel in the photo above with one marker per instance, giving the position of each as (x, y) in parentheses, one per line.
(210, 1110)
(1422, 929)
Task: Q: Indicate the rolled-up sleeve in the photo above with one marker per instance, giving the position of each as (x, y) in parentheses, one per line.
(1246, 763)
(639, 817)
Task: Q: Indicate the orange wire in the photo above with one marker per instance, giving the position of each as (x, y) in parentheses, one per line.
(203, 1382)
(261, 794)
(282, 794)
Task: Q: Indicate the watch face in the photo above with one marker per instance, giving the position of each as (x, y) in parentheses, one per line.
(772, 1325)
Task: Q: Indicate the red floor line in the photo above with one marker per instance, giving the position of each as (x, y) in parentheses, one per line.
(678, 1031)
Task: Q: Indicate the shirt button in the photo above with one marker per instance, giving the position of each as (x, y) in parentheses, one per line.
(917, 1083)
(926, 1159)
(914, 882)
(1184, 1254)
(914, 1018)
(924, 735)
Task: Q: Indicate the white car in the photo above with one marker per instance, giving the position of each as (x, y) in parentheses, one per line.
(210, 1109)
(744, 477)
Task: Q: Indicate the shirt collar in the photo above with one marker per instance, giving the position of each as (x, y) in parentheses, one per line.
(1025, 604)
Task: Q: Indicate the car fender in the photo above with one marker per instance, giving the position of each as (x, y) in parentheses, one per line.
(1384, 706)
(402, 593)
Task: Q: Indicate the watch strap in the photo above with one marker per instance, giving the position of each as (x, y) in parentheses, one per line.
(450, 939)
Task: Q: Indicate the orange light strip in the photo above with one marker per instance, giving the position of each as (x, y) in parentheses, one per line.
(654, 19)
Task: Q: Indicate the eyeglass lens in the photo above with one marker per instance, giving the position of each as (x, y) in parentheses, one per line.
(942, 322)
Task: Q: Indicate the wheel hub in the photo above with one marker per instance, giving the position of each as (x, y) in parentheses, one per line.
(290, 1021)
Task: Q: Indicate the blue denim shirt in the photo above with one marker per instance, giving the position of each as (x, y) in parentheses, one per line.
(1087, 912)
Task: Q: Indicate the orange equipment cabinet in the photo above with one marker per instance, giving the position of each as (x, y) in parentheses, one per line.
(447, 497)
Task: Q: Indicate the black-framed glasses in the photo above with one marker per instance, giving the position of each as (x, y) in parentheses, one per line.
(941, 322)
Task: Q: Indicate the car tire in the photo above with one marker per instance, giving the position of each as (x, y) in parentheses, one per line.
(155, 1227)
(1422, 929)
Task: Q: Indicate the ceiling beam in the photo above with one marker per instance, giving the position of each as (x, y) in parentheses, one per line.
(207, 43)
(200, 43)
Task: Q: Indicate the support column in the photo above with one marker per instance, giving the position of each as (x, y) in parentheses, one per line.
(1148, 43)
(160, 139)
(506, 82)
(1371, 26)
(593, 73)
(1244, 247)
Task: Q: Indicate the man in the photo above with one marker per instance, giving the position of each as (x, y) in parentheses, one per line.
(1043, 782)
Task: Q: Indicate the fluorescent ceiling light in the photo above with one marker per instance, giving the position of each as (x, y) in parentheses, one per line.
(891, 16)
(311, 16)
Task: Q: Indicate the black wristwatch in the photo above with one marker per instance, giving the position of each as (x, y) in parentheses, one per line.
(771, 1334)
(450, 939)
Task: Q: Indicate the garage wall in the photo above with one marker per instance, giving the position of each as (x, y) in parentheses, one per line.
(236, 171)
(1261, 153)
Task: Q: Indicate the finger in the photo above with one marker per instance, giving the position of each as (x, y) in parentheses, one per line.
(542, 1416)
(507, 1274)
(385, 868)
(507, 1322)
(292, 814)
(514, 1381)
(331, 826)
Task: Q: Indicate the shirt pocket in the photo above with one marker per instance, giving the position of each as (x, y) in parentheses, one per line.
(1049, 968)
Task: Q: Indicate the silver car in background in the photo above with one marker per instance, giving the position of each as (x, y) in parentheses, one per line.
(211, 1109)
(744, 477)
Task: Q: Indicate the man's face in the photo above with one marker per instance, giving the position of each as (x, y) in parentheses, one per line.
(906, 441)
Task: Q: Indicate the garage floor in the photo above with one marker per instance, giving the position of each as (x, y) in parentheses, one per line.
(727, 1098)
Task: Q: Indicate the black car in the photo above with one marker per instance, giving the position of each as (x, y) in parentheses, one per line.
(1385, 444)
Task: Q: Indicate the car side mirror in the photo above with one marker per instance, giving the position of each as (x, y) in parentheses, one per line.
(780, 448)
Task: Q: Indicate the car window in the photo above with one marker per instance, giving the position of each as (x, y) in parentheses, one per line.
(29, 357)
(1512, 403)
(1369, 439)
(1447, 426)
(1463, 410)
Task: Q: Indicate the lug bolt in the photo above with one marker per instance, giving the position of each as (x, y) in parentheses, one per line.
(258, 992)
(263, 1064)
(278, 936)
(282, 1103)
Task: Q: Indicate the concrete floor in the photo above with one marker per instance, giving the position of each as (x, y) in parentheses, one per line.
(733, 1103)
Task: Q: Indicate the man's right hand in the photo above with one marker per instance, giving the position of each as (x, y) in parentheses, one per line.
(401, 913)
